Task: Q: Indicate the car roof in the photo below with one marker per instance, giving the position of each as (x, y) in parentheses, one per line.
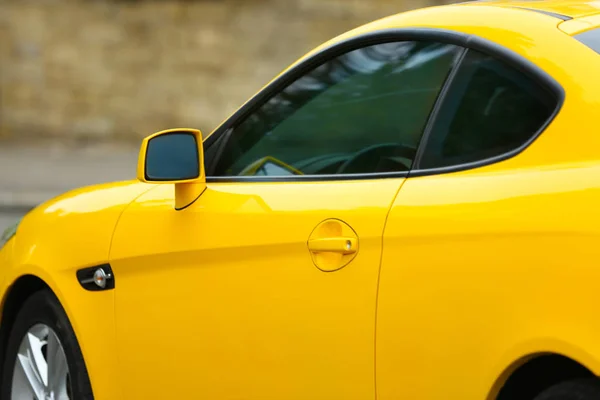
(522, 26)
(563, 9)
(512, 24)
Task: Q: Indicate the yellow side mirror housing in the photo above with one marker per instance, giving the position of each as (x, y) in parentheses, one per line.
(174, 156)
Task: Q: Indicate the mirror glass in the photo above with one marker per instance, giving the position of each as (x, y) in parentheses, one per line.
(172, 157)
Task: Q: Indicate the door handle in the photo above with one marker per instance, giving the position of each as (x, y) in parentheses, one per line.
(332, 245)
(343, 245)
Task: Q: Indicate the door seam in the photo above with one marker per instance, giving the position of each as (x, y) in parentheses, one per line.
(378, 283)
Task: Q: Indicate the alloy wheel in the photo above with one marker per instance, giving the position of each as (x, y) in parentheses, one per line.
(41, 371)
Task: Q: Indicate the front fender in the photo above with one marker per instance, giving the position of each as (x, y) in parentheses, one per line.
(58, 238)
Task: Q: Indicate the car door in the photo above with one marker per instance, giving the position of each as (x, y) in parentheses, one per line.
(461, 237)
(266, 286)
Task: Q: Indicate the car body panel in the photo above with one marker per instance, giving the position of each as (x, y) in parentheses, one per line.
(569, 8)
(477, 278)
(55, 240)
(257, 318)
(432, 222)
(579, 25)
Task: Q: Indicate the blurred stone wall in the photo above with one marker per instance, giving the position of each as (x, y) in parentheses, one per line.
(122, 69)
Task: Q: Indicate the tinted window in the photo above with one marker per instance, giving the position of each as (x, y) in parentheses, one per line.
(590, 38)
(362, 112)
(491, 109)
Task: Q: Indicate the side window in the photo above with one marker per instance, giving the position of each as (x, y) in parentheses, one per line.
(362, 112)
(491, 109)
(590, 38)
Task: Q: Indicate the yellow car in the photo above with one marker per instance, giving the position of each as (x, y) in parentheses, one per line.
(410, 211)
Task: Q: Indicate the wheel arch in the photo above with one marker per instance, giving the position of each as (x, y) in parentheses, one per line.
(533, 373)
(14, 298)
(91, 315)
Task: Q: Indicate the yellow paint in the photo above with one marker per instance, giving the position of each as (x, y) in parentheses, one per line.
(477, 270)
(579, 25)
(254, 317)
(570, 8)
(482, 268)
(333, 245)
(53, 242)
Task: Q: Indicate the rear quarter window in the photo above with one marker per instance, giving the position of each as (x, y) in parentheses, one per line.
(590, 38)
(492, 109)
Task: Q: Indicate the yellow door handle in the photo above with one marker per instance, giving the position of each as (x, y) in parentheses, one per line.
(344, 245)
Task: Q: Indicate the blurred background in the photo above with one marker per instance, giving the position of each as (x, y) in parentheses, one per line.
(82, 81)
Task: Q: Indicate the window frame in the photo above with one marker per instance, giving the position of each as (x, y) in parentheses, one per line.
(466, 42)
(511, 59)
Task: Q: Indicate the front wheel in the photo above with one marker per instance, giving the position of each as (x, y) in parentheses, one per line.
(585, 389)
(43, 359)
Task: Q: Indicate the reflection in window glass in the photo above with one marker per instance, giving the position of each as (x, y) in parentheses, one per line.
(491, 109)
(362, 112)
(270, 169)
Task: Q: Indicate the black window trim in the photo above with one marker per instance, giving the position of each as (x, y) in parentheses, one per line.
(467, 41)
(548, 13)
(514, 60)
(431, 122)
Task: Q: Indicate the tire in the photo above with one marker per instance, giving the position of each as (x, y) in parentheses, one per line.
(584, 389)
(39, 312)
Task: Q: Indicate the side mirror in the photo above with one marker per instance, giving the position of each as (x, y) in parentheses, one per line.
(174, 156)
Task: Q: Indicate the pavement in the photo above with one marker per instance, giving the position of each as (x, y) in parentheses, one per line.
(32, 173)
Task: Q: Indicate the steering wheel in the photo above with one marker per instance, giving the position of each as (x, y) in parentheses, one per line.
(377, 155)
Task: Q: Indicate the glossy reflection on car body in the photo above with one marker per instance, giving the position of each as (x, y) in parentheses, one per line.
(407, 212)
